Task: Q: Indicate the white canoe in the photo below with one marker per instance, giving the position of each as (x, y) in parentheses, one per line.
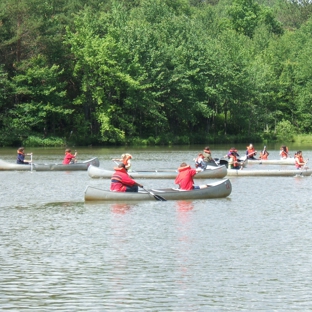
(211, 173)
(287, 161)
(4, 165)
(217, 189)
(269, 173)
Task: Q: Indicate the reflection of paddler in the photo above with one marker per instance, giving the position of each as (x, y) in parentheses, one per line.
(126, 160)
(120, 208)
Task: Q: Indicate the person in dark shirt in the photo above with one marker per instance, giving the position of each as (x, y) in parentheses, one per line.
(21, 156)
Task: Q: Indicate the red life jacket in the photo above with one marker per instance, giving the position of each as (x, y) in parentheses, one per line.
(185, 178)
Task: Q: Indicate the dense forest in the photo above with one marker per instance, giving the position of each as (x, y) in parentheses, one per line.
(154, 71)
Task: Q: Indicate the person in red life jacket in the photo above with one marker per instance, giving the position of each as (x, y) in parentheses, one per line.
(251, 152)
(122, 182)
(264, 154)
(69, 157)
(199, 161)
(126, 160)
(185, 177)
(284, 151)
(234, 162)
(21, 156)
(299, 161)
(232, 150)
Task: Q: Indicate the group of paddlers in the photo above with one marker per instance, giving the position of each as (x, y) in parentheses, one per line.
(121, 180)
(235, 162)
(69, 158)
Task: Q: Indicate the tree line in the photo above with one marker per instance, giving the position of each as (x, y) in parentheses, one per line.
(154, 71)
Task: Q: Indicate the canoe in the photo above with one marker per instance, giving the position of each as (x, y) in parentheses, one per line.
(217, 189)
(211, 173)
(287, 161)
(269, 173)
(49, 167)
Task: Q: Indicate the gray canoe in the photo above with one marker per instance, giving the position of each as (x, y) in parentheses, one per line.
(287, 161)
(217, 189)
(49, 167)
(211, 173)
(269, 173)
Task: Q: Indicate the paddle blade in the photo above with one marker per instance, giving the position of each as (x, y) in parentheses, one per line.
(158, 197)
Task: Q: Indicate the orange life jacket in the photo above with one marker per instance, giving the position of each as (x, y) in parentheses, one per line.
(299, 159)
(264, 155)
(284, 154)
(126, 159)
(235, 162)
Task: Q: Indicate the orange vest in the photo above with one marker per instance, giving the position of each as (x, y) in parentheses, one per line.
(235, 163)
(299, 159)
(264, 155)
(284, 154)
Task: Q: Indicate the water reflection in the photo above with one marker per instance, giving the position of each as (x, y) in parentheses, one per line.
(120, 208)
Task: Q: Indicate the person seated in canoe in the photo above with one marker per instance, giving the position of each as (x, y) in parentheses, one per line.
(126, 160)
(250, 152)
(207, 158)
(299, 161)
(69, 157)
(21, 156)
(234, 163)
(284, 152)
(199, 162)
(122, 182)
(232, 150)
(185, 177)
(264, 154)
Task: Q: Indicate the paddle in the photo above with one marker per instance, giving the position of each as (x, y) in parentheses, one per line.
(157, 197)
(31, 164)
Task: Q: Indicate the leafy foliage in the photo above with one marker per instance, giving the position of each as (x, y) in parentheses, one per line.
(154, 72)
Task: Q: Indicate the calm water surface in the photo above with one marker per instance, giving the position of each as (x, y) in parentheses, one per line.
(248, 252)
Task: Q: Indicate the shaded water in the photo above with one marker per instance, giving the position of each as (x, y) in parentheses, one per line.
(248, 252)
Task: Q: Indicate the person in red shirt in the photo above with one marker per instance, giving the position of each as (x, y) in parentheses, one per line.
(185, 177)
(69, 158)
(122, 182)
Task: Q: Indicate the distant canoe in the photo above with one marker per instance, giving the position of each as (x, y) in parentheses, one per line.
(211, 173)
(49, 167)
(217, 189)
(269, 173)
(287, 161)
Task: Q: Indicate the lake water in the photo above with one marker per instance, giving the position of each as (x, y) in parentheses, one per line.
(250, 251)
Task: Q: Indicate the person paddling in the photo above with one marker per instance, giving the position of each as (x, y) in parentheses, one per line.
(122, 182)
(264, 154)
(234, 162)
(185, 177)
(299, 161)
(126, 160)
(284, 152)
(21, 156)
(251, 152)
(69, 157)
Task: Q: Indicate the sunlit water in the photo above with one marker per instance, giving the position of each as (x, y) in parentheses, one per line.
(248, 252)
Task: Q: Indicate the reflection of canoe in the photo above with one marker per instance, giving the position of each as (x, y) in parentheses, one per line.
(287, 161)
(217, 189)
(269, 173)
(211, 173)
(50, 167)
